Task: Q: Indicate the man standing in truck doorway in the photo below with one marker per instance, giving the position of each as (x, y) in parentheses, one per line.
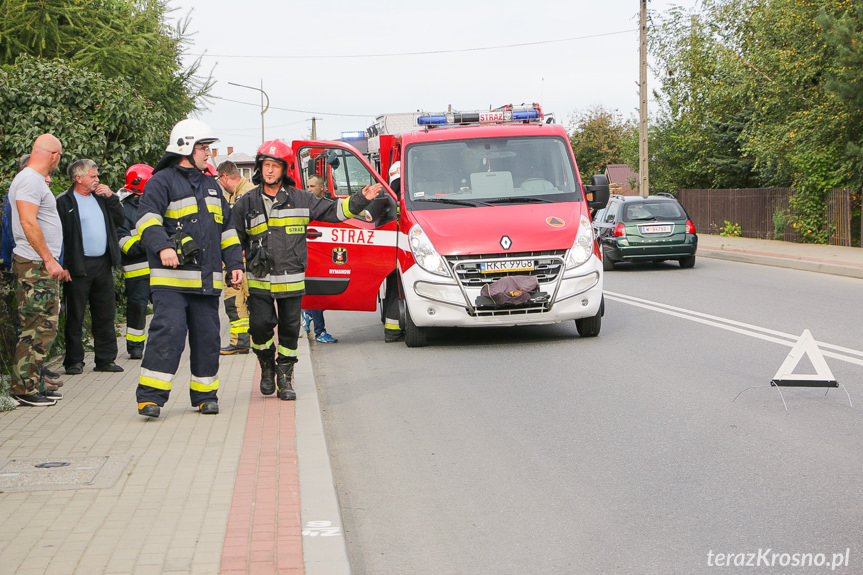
(317, 186)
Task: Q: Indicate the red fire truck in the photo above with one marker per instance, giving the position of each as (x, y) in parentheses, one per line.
(476, 197)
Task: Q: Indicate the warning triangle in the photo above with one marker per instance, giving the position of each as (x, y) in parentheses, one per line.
(805, 346)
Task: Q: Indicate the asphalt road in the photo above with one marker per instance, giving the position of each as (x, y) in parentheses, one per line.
(531, 450)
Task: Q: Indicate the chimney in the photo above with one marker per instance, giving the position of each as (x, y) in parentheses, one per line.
(215, 152)
(230, 150)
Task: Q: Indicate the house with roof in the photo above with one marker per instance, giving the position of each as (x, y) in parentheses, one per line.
(622, 179)
(245, 162)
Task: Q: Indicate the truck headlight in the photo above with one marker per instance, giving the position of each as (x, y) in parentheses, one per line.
(425, 254)
(583, 247)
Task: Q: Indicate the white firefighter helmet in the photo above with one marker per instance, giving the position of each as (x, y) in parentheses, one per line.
(395, 172)
(186, 134)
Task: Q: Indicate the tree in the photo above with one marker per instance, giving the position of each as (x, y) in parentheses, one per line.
(754, 91)
(596, 136)
(128, 39)
(94, 117)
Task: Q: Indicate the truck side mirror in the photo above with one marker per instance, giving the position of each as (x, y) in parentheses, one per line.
(333, 159)
(597, 193)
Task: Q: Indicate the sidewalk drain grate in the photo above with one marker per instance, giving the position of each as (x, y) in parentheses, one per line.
(54, 473)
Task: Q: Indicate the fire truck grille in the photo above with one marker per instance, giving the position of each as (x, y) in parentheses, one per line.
(478, 270)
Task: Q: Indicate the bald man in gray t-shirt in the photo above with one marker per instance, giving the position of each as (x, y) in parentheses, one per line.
(38, 236)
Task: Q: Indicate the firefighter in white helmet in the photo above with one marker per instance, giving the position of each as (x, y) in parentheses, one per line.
(186, 227)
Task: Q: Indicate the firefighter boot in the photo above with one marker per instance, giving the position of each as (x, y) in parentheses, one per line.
(285, 379)
(268, 375)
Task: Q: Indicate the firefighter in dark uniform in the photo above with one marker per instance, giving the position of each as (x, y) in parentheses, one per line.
(136, 269)
(186, 227)
(271, 222)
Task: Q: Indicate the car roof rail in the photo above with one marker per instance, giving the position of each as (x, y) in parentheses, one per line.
(666, 195)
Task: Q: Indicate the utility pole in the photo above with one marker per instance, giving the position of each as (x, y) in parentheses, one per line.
(643, 184)
(314, 128)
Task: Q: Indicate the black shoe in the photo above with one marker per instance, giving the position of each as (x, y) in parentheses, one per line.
(52, 394)
(136, 353)
(34, 399)
(49, 373)
(268, 376)
(232, 349)
(111, 367)
(285, 380)
(75, 369)
(391, 336)
(209, 408)
(149, 409)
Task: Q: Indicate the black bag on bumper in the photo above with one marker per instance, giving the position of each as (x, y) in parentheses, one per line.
(510, 290)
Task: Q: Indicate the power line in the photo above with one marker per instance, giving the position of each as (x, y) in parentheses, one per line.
(423, 53)
(293, 110)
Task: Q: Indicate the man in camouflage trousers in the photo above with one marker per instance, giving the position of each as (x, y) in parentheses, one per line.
(38, 239)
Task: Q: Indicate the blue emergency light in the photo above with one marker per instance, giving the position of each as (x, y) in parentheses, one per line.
(502, 115)
(355, 135)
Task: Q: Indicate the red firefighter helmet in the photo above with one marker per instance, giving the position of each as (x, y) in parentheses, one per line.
(279, 151)
(136, 178)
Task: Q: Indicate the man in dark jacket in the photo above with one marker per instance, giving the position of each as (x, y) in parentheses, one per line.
(271, 221)
(186, 227)
(90, 214)
(136, 269)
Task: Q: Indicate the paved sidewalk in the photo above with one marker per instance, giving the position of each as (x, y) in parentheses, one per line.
(836, 260)
(182, 494)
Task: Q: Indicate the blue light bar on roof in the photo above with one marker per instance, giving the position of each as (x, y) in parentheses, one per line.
(499, 116)
(355, 135)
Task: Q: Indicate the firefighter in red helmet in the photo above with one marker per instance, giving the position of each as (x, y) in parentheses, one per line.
(136, 270)
(271, 222)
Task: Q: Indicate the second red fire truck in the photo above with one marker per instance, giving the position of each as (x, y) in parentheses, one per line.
(477, 197)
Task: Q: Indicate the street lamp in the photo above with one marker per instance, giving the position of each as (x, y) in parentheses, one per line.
(263, 109)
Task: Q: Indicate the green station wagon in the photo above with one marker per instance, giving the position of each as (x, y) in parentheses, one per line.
(653, 229)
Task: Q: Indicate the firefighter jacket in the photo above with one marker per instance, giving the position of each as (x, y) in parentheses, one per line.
(73, 238)
(133, 254)
(282, 235)
(243, 186)
(184, 200)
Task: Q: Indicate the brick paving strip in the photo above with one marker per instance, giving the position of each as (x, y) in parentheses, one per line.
(263, 533)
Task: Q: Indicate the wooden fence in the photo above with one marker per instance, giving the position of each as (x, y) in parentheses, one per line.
(760, 211)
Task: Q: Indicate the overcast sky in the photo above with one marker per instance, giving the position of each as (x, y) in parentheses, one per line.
(347, 61)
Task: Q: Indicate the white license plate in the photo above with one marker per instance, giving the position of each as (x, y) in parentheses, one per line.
(507, 266)
(656, 229)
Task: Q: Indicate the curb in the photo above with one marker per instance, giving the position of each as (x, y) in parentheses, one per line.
(825, 267)
(325, 549)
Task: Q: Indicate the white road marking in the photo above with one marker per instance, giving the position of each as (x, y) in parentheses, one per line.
(838, 352)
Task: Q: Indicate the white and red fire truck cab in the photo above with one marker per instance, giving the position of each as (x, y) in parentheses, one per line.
(476, 197)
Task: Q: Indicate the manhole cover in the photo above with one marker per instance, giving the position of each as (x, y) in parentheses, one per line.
(53, 473)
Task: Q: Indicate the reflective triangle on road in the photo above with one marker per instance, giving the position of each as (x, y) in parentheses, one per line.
(822, 377)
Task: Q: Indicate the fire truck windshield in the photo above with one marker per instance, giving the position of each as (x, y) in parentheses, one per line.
(490, 171)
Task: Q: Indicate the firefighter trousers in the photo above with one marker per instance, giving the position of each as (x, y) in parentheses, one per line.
(137, 298)
(238, 313)
(392, 313)
(175, 314)
(265, 314)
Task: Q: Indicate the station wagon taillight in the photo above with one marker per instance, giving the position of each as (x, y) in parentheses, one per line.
(620, 229)
(690, 227)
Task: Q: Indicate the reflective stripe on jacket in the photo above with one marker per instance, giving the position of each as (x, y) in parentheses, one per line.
(184, 199)
(132, 252)
(283, 233)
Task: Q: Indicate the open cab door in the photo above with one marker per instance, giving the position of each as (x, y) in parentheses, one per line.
(348, 261)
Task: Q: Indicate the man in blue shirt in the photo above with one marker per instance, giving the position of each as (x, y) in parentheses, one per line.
(90, 213)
